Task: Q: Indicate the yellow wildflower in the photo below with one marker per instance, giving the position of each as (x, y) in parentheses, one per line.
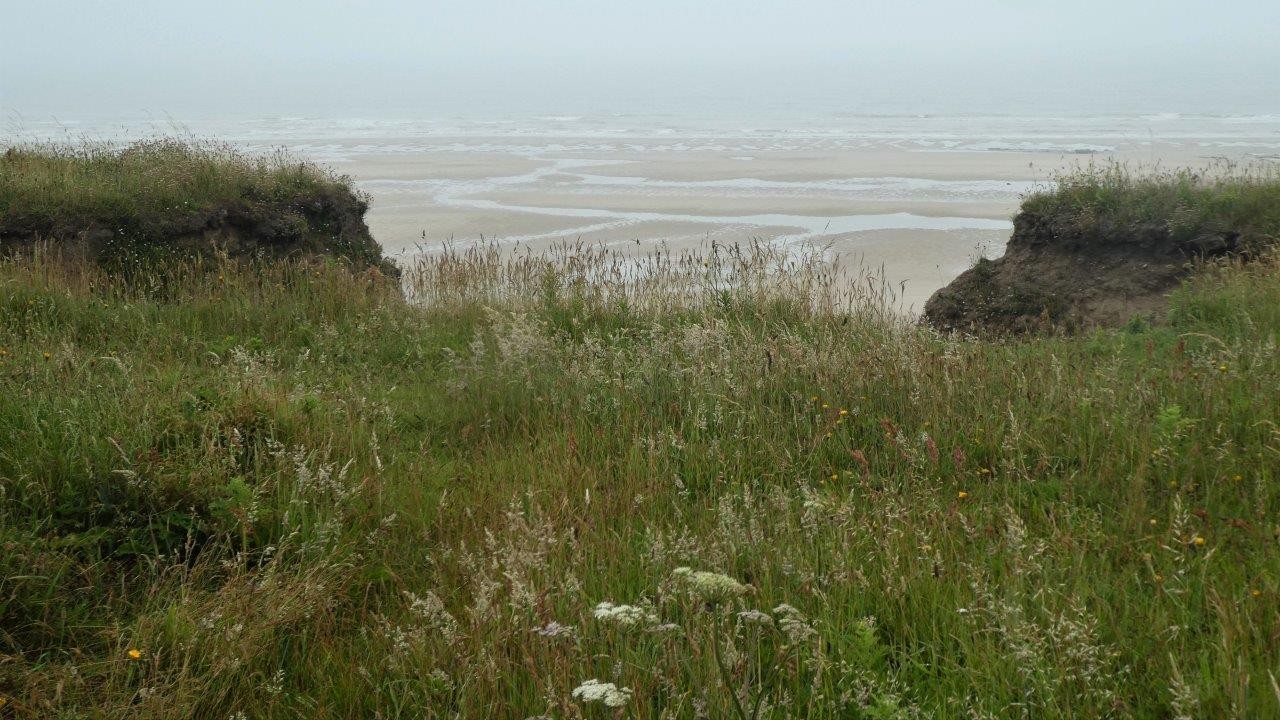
(962, 494)
(134, 654)
(1199, 541)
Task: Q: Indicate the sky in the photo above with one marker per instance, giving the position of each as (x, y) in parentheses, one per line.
(397, 57)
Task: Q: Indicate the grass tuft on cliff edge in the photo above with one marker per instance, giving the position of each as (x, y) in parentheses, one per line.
(179, 197)
(1110, 198)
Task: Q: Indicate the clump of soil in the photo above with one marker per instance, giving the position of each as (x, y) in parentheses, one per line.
(1056, 276)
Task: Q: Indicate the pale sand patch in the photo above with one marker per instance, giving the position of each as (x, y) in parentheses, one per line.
(438, 165)
(406, 225)
(464, 195)
(915, 263)
(828, 164)
(836, 164)
(693, 203)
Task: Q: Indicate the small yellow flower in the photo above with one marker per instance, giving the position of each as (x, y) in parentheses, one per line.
(1159, 578)
(813, 398)
(1152, 521)
(134, 654)
(825, 406)
(835, 476)
(3, 352)
(844, 412)
(48, 355)
(962, 494)
(1255, 592)
(1199, 541)
(1222, 367)
(1237, 478)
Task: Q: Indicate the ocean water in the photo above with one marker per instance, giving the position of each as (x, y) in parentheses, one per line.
(673, 132)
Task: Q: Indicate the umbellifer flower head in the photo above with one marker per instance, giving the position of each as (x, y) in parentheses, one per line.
(710, 586)
(625, 615)
(609, 694)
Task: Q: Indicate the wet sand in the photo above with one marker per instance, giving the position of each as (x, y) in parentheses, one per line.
(918, 215)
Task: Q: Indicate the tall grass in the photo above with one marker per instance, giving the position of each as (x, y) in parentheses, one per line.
(1112, 199)
(287, 492)
(46, 187)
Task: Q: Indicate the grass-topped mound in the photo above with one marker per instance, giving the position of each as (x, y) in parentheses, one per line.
(1105, 245)
(587, 486)
(173, 197)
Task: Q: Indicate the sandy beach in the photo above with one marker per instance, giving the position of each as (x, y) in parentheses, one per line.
(916, 197)
(918, 213)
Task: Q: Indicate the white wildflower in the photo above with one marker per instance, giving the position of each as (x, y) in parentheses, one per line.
(794, 624)
(755, 617)
(595, 691)
(710, 586)
(625, 615)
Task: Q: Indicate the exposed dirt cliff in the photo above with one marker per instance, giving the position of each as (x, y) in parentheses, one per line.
(1057, 276)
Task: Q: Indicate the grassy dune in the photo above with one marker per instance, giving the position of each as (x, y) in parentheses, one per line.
(1219, 197)
(576, 486)
(173, 197)
(146, 184)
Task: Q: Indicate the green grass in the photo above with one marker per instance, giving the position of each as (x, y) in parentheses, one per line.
(293, 491)
(1111, 199)
(46, 187)
(297, 496)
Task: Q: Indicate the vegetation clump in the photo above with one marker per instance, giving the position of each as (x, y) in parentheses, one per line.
(580, 484)
(177, 198)
(1105, 245)
(1223, 199)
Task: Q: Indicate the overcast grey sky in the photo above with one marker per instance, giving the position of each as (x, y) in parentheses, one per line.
(404, 56)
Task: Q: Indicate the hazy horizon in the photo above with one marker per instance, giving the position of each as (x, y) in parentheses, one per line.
(384, 59)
